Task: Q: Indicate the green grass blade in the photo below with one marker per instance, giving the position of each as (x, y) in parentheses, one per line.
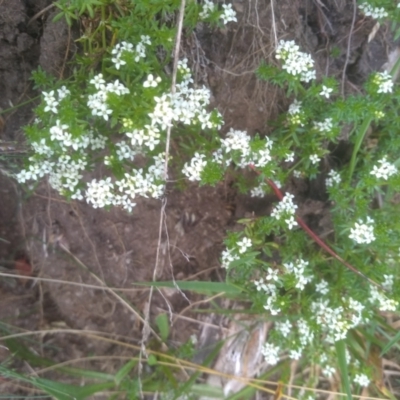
(124, 371)
(197, 286)
(344, 373)
(60, 391)
(391, 343)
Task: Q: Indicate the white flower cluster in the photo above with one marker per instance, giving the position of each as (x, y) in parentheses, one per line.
(363, 233)
(322, 287)
(286, 208)
(325, 126)
(314, 158)
(66, 175)
(208, 8)
(333, 178)
(139, 51)
(298, 269)
(296, 116)
(385, 170)
(196, 166)
(149, 137)
(284, 328)
(52, 102)
(151, 81)
(97, 102)
(374, 12)
(271, 290)
(227, 257)
(259, 191)
(295, 61)
(35, 170)
(383, 302)
(388, 282)
(104, 192)
(59, 133)
(230, 255)
(335, 322)
(270, 353)
(362, 380)
(228, 14)
(186, 105)
(384, 81)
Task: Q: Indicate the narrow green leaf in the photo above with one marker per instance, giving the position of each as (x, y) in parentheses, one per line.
(197, 286)
(392, 342)
(208, 391)
(124, 371)
(344, 373)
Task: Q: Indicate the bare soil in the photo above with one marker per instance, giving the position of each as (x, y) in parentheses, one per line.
(70, 241)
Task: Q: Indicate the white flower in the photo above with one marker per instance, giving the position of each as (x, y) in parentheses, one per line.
(258, 191)
(324, 126)
(314, 158)
(295, 107)
(289, 157)
(362, 380)
(229, 256)
(270, 353)
(63, 92)
(244, 244)
(272, 275)
(228, 14)
(362, 233)
(151, 82)
(326, 91)
(51, 102)
(333, 177)
(98, 82)
(291, 222)
(385, 170)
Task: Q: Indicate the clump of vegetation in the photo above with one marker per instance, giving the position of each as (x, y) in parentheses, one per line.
(325, 296)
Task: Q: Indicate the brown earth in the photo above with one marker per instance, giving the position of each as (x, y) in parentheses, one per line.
(70, 241)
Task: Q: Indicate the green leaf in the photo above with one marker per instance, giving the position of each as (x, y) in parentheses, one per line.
(344, 373)
(152, 360)
(124, 371)
(60, 391)
(163, 326)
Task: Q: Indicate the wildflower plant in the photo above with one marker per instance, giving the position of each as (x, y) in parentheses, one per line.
(317, 292)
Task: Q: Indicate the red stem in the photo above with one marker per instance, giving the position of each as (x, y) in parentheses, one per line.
(316, 239)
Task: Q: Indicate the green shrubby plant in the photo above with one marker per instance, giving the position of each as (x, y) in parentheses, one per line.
(317, 297)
